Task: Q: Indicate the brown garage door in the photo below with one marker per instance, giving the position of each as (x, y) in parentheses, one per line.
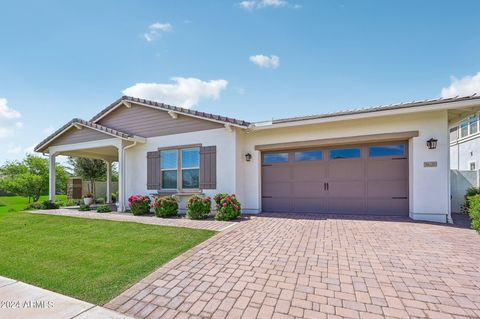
(365, 179)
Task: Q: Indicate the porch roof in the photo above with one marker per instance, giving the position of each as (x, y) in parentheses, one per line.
(42, 146)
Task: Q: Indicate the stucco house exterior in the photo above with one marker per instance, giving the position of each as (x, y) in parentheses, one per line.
(385, 160)
(465, 144)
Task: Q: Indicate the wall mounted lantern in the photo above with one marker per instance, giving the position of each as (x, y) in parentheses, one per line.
(432, 143)
(248, 157)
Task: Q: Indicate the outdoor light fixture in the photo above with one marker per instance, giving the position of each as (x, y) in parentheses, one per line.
(432, 143)
(248, 157)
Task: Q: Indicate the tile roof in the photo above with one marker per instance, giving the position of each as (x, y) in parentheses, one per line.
(86, 124)
(379, 108)
(166, 107)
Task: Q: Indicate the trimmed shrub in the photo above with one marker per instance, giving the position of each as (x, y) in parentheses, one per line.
(471, 191)
(228, 207)
(34, 206)
(198, 207)
(84, 208)
(73, 202)
(100, 201)
(48, 204)
(104, 209)
(474, 212)
(166, 206)
(139, 205)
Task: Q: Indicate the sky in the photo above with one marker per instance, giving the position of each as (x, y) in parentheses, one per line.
(254, 60)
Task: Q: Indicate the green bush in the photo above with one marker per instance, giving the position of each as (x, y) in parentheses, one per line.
(139, 205)
(100, 201)
(34, 206)
(104, 209)
(73, 202)
(84, 208)
(472, 191)
(114, 197)
(48, 204)
(198, 207)
(474, 212)
(228, 206)
(165, 206)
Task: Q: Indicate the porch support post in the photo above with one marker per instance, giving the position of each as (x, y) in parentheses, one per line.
(51, 172)
(109, 182)
(121, 189)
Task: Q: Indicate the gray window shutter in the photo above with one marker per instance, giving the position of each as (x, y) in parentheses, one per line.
(153, 170)
(208, 167)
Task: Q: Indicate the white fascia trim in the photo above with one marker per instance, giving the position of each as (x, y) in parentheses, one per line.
(168, 111)
(133, 139)
(85, 145)
(372, 114)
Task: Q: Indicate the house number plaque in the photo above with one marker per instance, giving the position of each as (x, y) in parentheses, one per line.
(430, 164)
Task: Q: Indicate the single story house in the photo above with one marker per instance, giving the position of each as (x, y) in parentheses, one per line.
(385, 160)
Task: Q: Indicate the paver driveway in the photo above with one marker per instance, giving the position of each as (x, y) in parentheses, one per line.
(286, 266)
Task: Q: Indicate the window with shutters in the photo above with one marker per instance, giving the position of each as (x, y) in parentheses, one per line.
(190, 168)
(180, 168)
(169, 165)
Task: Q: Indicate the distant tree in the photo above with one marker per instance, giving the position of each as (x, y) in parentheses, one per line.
(90, 169)
(30, 177)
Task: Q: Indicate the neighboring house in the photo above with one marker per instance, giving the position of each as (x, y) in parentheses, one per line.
(465, 144)
(464, 158)
(386, 160)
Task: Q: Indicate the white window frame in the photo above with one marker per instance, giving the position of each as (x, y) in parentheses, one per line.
(179, 168)
(470, 165)
(185, 168)
(461, 129)
(168, 169)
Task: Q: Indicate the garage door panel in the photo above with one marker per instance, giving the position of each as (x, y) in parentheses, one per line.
(308, 189)
(344, 169)
(390, 168)
(279, 205)
(394, 207)
(391, 188)
(374, 183)
(310, 205)
(276, 173)
(346, 205)
(313, 172)
(352, 188)
(280, 189)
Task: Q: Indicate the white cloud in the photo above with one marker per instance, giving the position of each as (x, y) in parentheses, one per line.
(8, 119)
(14, 149)
(273, 3)
(465, 86)
(249, 5)
(155, 30)
(259, 4)
(184, 92)
(264, 61)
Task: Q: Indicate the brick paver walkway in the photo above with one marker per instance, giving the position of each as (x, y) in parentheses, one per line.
(286, 266)
(210, 224)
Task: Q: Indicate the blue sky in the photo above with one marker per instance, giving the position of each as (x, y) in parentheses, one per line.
(253, 60)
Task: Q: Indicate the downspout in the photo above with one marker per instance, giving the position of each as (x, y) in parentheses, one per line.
(123, 168)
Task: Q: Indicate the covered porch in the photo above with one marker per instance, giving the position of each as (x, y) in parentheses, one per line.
(84, 139)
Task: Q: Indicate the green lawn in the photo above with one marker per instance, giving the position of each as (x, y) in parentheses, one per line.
(92, 260)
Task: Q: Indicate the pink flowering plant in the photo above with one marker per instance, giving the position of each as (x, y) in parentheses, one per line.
(165, 206)
(228, 206)
(139, 205)
(198, 207)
